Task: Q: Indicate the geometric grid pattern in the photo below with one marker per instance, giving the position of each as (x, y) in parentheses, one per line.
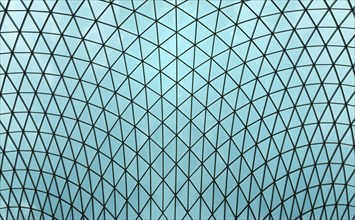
(177, 109)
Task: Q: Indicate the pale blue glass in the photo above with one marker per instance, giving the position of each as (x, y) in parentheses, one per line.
(186, 109)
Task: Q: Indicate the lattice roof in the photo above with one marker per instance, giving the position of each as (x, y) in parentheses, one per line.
(187, 109)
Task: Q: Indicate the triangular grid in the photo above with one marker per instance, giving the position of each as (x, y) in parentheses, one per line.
(177, 109)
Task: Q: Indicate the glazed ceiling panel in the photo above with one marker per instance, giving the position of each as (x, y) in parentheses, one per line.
(177, 109)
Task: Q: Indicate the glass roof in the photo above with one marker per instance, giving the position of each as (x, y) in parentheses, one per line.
(177, 109)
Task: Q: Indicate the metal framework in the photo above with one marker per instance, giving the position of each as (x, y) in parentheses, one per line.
(177, 109)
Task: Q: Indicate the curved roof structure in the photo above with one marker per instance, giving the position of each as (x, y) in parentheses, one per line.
(177, 109)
